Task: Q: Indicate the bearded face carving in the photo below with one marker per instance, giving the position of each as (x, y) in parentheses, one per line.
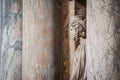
(77, 29)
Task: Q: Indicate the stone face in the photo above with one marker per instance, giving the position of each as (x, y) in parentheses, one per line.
(11, 40)
(103, 40)
(43, 22)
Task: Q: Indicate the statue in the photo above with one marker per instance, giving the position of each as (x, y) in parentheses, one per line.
(78, 32)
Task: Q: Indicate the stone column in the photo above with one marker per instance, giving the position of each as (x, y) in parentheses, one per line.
(11, 40)
(43, 22)
(103, 39)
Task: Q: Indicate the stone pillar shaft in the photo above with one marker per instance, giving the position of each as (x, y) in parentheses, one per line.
(43, 21)
(103, 40)
(11, 39)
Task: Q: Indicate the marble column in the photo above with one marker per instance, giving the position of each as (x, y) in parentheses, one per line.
(43, 22)
(103, 39)
(11, 40)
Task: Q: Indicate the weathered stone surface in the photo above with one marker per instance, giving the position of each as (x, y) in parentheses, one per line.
(0, 39)
(11, 40)
(43, 22)
(71, 41)
(66, 55)
(103, 40)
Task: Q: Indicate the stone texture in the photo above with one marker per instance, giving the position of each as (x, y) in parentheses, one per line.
(0, 39)
(11, 40)
(43, 22)
(66, 55)
(103, 40)
(71, 41)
